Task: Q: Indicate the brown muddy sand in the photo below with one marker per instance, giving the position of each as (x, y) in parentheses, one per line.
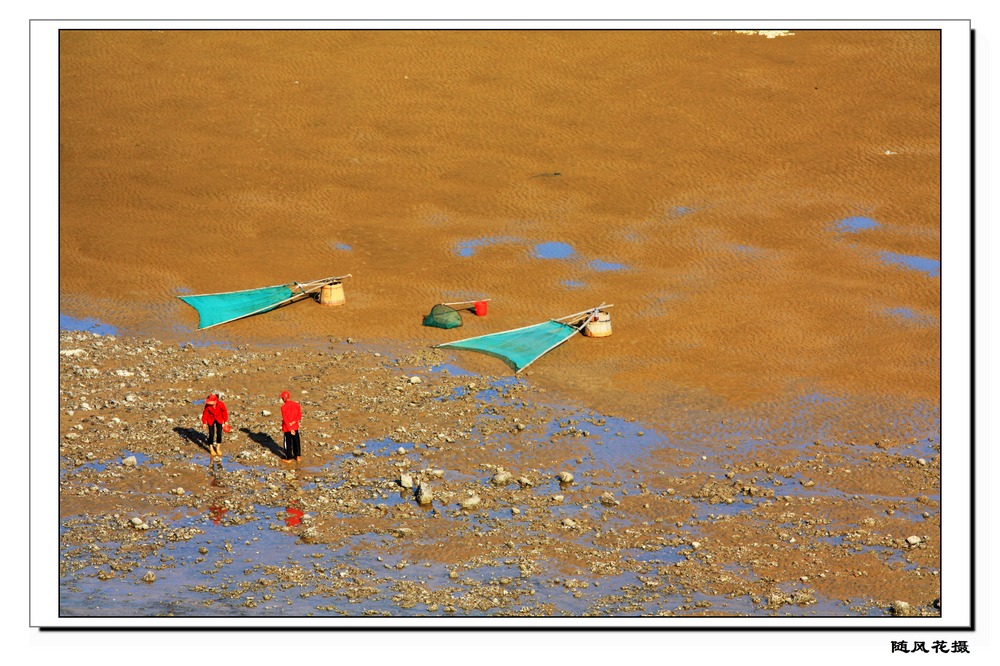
(529, 507)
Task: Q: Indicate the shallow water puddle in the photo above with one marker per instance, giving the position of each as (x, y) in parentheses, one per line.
(68, 323)
(855, 223)
(553, 250)
(606, 266)
(676, 212)
(451, 369)
(910, 316)
(142, 460)
(467, 248)
(932, 267)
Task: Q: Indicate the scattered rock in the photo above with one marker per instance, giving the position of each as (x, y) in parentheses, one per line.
(502, 477)
(469, 502)
(607, 499)
(406, 480)
(565, 477)
(803, 598)
(424, 493)
(130, 462)
(902, 609)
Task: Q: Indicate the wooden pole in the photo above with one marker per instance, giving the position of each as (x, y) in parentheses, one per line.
(464, 302)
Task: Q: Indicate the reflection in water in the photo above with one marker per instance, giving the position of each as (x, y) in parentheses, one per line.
(293, 515)
(216, 512)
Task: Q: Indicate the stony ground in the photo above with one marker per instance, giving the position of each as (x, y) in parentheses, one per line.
(426, 490)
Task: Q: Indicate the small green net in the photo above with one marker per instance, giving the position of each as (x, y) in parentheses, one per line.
(443, 316)
(521, 346)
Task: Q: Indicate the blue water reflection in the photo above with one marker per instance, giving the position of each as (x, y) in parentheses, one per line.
(604, 266)
(930, 266)
(554, 250)
(856, 223)
(67, 323)
(467, 248)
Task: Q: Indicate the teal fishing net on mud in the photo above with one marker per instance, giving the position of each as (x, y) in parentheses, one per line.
(443, 316)
(521, 346)
(219, 308)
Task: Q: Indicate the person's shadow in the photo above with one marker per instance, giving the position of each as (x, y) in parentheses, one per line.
(194, 436)
(266, 441)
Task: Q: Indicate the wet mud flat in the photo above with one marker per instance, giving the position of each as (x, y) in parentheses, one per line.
(428, 489)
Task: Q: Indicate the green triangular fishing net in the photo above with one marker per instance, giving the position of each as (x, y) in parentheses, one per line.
(520, 346)
(219, 308)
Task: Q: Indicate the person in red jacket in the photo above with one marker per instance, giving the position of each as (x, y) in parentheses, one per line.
(215, 417)
(291, 417)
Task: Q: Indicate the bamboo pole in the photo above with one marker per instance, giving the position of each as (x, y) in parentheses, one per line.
(583, 312)
(483, 300)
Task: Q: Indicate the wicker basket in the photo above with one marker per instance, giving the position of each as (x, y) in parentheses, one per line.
(332, 294)
(599, 326)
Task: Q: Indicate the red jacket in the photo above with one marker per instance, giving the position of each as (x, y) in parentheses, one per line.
(291, 414)
(216, 413)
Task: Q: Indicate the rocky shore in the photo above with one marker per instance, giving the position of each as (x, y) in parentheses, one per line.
(429, 490)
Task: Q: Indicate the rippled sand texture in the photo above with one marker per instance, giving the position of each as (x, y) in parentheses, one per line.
(703, 183)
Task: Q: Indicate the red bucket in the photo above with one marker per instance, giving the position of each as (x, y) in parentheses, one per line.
(480, 308)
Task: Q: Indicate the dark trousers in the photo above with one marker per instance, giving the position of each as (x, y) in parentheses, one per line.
(293, 448)
(215, 432)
